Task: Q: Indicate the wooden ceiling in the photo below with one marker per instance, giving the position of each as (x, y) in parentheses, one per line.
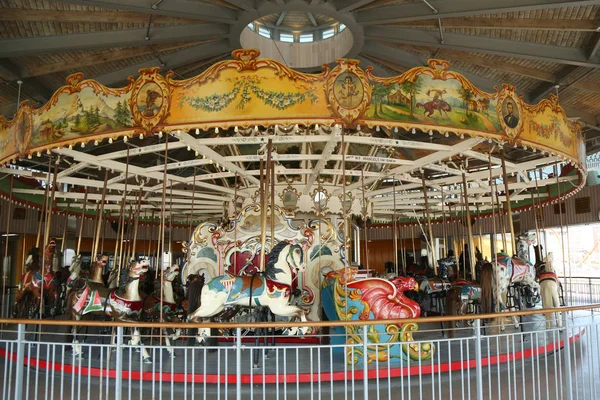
(532, 44)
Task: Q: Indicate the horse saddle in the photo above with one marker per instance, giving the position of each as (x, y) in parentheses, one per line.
(547, 276)
(520, 267)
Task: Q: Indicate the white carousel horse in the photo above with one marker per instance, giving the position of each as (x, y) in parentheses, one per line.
(496, 278)
(122, 304)
(152, 305)
(549, 291)
(74, 270)
(272, 289)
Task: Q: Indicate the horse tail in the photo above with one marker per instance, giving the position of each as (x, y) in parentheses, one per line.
(487, 290)
(451, 307)
(419, 105)
(195, 283)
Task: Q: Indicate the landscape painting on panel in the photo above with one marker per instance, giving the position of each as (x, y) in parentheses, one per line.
(433, 101)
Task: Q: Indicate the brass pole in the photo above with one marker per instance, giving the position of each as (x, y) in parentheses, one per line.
(162, 238)
(151, 229)
(263, 208)
(394, 226)
(560, 218)
(43, 216)
(137, 220)
(83, 208)
(6, 237)
(64, 235)
(51, 204)
(193, 199)
(171, 220)
(100, 215)
(272, 204)
(412, 234)
(431, 239)
(502, 223)
(444, 223)
(480, 229)
(120, 224)
(469, 227)
(365, 211)
(508, 204)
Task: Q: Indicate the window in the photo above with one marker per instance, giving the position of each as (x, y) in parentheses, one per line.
(342, 27)
(251, 26)
(327, 33)
(286, 37)
(308, 37)
(264, 32)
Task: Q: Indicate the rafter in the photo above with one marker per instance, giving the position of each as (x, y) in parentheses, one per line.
(280, 19)
(18, 47)
(487, 45)
(169, 61)
(21, 14)
(86, 60)
(586, 25)
(174, 8)
(414, 11)
(347, 6)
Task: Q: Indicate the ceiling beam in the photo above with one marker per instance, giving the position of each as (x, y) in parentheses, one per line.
(593, 46)
(31, 87)
(312, 19)
(457, 8)
(87, 59)
(196, 65)
(169, 61)
(196, 10)
(19, 47)
(562, 78)
(280, 19)
(585, 25)
(248, 5)
(346, 6)
(487, 45)
(27, 15)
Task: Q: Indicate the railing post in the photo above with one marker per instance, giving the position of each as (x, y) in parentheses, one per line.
(20, 361)
(567, 344)
(591, 293)
(478, 358)
(365, 364)
(238, 363)
(119, 363)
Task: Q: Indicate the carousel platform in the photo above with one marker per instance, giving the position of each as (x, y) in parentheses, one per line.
(299, 361)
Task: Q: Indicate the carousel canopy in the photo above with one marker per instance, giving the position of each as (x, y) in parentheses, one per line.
(344, 130)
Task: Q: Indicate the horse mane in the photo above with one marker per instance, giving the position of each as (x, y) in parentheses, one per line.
(124, 281)
(271, 270)
(194, 285)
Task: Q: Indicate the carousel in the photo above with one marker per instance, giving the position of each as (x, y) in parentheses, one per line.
(252, 192)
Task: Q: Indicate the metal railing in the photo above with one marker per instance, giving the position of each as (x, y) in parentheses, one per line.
(480, 362)
(581, 290)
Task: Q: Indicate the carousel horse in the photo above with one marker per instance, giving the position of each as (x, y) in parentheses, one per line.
(74, 271)
(432, 290)
(52, 277)
(496, 277)
(97, 271)
(549, 290)
(273, 289)
(462, 298)
(28, 295)
(121, 304)
(152, 305)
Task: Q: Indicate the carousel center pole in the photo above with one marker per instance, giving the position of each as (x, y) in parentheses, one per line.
(508, 205)
(263, 207)
(431, 239)
(469, 228)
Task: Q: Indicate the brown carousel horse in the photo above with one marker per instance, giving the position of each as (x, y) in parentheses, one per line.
(121, 304)
(170, 308)
(28, 295)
